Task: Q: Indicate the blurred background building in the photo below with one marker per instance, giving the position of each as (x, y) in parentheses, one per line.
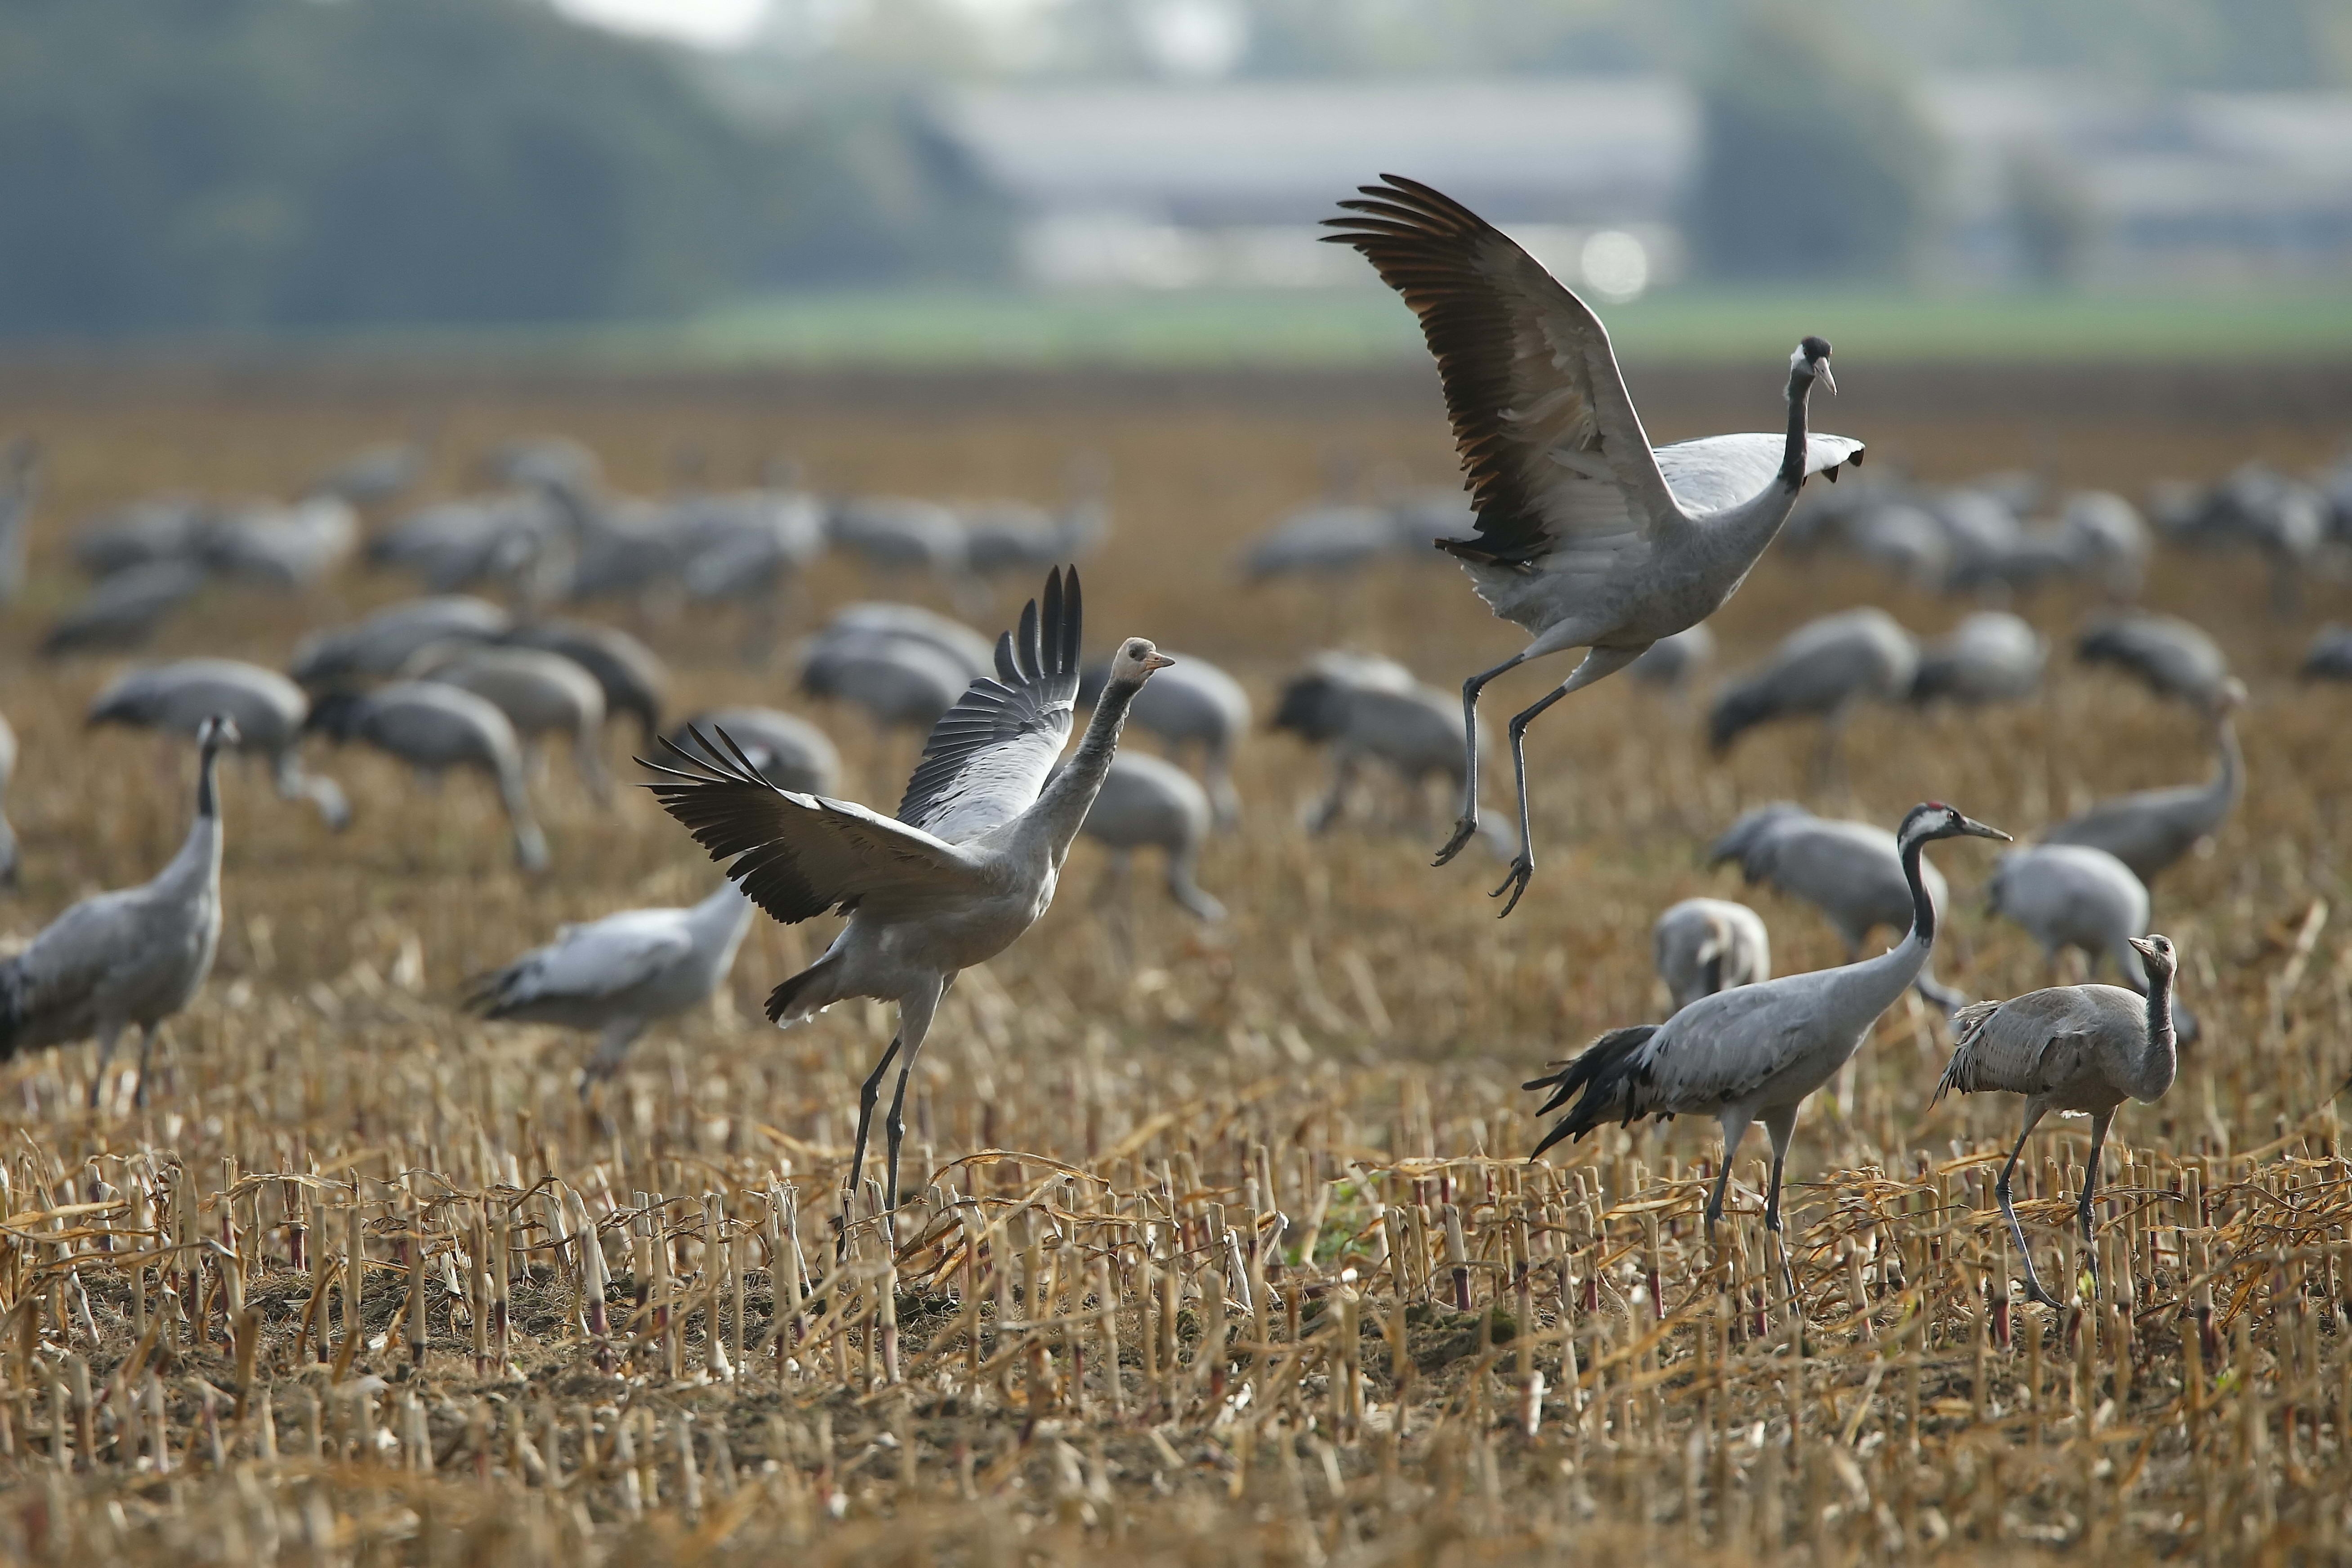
(184, 166)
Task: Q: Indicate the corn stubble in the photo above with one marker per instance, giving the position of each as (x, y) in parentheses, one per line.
(1223, 1251)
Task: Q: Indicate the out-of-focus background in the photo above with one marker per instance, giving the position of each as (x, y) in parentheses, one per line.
(936, 180)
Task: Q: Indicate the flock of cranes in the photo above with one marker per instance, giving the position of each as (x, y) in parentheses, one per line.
(1579, 533)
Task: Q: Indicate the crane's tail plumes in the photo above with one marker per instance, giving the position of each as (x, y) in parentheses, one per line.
(806, 995)
(1966, 1023)
(16, 1007)
(1607, 1073)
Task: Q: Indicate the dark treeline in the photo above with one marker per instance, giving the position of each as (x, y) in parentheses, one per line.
(177, 164)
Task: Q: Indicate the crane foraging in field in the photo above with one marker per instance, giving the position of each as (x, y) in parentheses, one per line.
(269, 712)
(133, 956)
(1702, 946)
(1586, 537)
(2152, 828)
(1825, 668)
(618, 974)
(1755, 1052)
(2078, 1050)
(968, 865)
(1148, 802)
(434, 728)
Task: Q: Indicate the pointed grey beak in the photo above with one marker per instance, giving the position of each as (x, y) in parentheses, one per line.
(2142, 946)
(1827, 381)
(1156, 661)
(1975, 829)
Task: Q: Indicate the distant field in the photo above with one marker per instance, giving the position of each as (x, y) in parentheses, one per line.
(1355, 326)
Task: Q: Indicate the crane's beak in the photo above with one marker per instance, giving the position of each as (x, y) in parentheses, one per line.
(1821, 374)
(1975, 829)
(2142, 946)
(1156, 661)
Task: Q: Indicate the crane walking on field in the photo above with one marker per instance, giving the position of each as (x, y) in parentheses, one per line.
(969, 864)
(2075, 1050)
(136, 955)
(1587, 537)
(1756, 1052)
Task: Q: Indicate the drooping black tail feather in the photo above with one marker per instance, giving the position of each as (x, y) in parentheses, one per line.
(16, 1007)
(786, 1001)
(1604, 1073)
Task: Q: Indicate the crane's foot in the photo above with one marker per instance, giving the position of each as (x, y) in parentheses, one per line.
(1465, 829)
(2036, 1294)
(1522, 872)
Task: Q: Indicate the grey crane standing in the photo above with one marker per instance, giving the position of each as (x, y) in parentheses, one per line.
(2082, 1049)
(269, 712)
(1757, 1052)
(1851, 871)
(1145, 803)
(1192, 703)
(1822, 669)
(621, 973)
(967, 866)
(131, 957)
(901, 682)
(787, 751)
(2173, 657)
(434, 728)
(1587, 537)
(2150, 829)
(1702, 946)
(1990, 657)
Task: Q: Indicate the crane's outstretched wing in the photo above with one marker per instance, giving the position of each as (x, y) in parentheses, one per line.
(1550, 441)
(1716, 472)
(988, 755)
(800, 855)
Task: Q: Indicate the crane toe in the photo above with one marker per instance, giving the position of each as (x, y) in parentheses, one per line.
(1465, 829)
(1522, 872)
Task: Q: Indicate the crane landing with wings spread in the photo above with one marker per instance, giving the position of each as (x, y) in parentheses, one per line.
(968, 865)
(1588, 537)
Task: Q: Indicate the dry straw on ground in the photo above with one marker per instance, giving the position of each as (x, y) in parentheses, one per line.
(1226, 1250)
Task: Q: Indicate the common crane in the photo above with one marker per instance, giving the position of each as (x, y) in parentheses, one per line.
(540, 694)
(969, 864)
(2330, 657)
(131, 957)
(375, 474)
(284, 547)
(530, 461)
(434, 728)
(900, 682)
(1851, 871)
(634, 679)
(268, 710)
(2173, 657)
(517, 538)
(123, 611)
(1587, 538)
(1147, 803)
(883, 617)
(1990, 657)
(619, 974)
(1702, 946)
(374, 648)
(1368, 708)
(1822, 669)
(893, 535)
(787, 751)
(2075, 1050)
(2150, 829)
(1192, 703)
(158, 529)
(1760, 1051)
(1673, 662)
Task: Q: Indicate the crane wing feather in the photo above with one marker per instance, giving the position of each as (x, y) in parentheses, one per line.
(989, 756)
(1546, 433)
(797, 856)
(1716, 473)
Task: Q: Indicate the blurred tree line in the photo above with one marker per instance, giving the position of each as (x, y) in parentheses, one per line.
(170, 165)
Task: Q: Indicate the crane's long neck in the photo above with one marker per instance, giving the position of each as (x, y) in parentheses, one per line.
(2230, 778)
(1792, 456)
(2160, 1059)
(1881, 980)
(1061, 810)
(199, 859)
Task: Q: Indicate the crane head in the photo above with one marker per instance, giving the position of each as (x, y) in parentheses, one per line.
(219, 730)
(1811, 360)
(1135, 661)
(1934, 819)
(2155, 952)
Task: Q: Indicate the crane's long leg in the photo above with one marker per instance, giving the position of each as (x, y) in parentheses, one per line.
(612, 1046)
(867, 1095)
(1599, 662)
(146, 1057)
(915, 1011)
(2100, 1122)
(1466, 825)
(1735, 1128)
(106, 1038)
(1343, 774)
(1779, 1125)
(1217, 770)
(2001, 1190)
